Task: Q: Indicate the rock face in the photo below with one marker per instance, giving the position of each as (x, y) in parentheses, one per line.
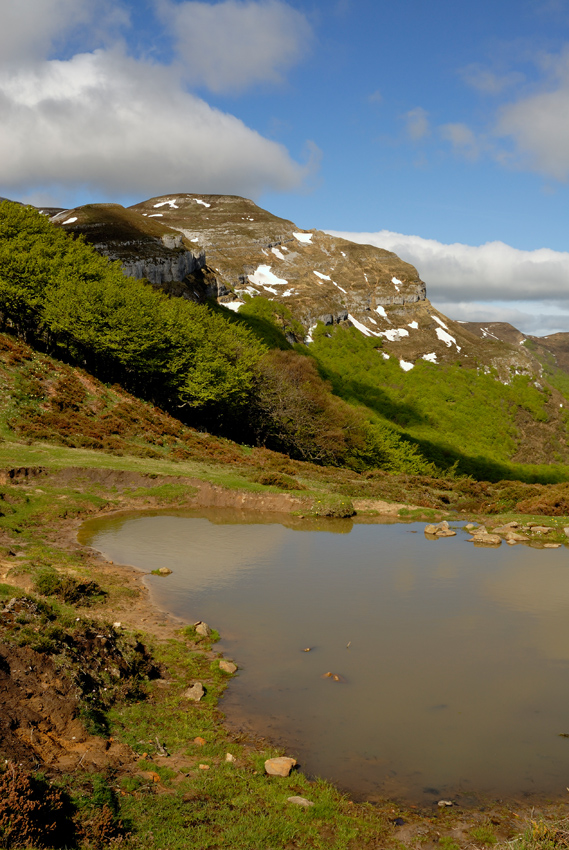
(228, 248)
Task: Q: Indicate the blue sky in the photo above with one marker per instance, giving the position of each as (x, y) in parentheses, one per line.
(439, 130)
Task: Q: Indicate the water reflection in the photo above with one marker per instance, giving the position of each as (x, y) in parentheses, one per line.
(456, 672)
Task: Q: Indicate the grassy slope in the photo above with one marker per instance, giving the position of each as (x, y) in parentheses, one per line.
(453, 414)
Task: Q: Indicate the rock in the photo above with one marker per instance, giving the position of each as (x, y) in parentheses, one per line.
(300, 801)
(201, 742)
(163, 571)
(227, 666)
(446, 532)
(566, 530)
(203, 766)
(514, 537)
(202, 629)
(486, 540)
(229, 757)
(552, 545)
(195, 692)
(430, 529)
(440, 530)
(470, 526)
(540, 529)
(280, 766)
(117, 625)
(443, 803)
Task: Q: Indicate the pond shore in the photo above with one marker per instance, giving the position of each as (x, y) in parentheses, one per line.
(129, 602)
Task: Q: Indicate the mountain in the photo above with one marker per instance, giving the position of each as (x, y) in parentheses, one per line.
(228, 248)
(478, 398)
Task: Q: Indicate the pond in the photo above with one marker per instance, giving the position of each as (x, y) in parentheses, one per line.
(453, 661)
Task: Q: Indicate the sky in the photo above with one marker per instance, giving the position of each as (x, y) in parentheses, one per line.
(436, 130)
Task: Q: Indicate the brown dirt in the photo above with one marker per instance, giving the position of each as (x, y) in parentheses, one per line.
(39, 723)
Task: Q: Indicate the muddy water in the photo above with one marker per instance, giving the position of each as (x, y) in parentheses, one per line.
(453, 660)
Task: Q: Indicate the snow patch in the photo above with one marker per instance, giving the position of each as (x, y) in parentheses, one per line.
(362, 328)
(395, 334)
(442, 324)
(277, 253)
(384, 355)
(369, 318)
(405, 365)
(323, 276)
(414, 325)
(265, 278)
(396, 282)
(308, 337)
(339, 287)
(287, 292)
(173, 205)
(156, 215)
(70, 220)
(446, 338)
(381, 311)
(203, 203)
(432, 357)
(233, 305)
(304, 237)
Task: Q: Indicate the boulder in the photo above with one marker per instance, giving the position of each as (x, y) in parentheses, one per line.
(195, 692)
(431, 529)
(566, 530)
(552, 545)
(514, 537)
(540, 529)
(202, 629)
(280, 766)
(227, 666)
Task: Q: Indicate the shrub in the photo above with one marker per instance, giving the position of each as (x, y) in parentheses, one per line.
(33, 812)
(51, 583)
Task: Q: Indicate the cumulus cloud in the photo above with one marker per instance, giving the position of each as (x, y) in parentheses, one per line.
(115, 125)
(108, 121)
(234, 44)
(486, 281)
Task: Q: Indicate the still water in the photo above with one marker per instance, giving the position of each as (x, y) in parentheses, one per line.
(453, 660)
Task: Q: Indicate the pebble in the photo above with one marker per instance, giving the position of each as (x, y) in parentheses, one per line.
(229, 757)
(203, 766)
(195, 692)
(300, 801)
(443, 803)
(280, 766)
(227, 666)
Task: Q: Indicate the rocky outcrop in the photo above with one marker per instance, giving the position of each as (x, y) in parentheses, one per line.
(165, 269)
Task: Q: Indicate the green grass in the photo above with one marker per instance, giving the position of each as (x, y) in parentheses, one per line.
(453, 415)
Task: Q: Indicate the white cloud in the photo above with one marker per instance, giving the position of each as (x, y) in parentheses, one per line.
(30, 29)
(110, 122)
(539, 127)
(417, 123)
(462, 139)
(489, 82)
(119, 126)
(486, 280)
(232, 45)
